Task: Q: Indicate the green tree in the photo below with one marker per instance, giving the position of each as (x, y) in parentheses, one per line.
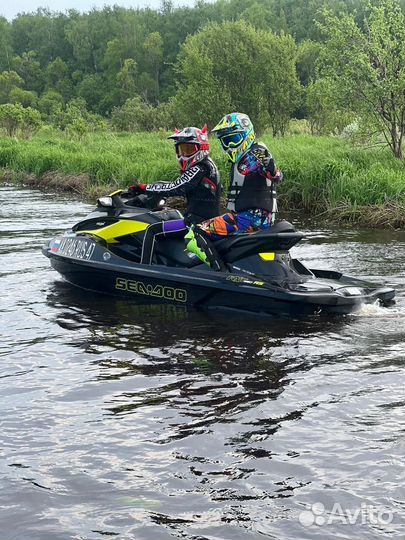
(6, 50)
(134, 115)
(200, 97)
(77, 120)
(58, 78)
(283, 92)
(50, 103)
(88, 36)
(257, 77)
(137, 115)
(31, 122)
(8, 81)
(324, 114)
(147, 87)
(11, 117)
(307, 57)
(42, 32)
(126, 79)
(367, 64)
(80, 37)
(85, 53)
(153, 48)
(29, 69)
(26, 98)
(257, 15)
(91, 89)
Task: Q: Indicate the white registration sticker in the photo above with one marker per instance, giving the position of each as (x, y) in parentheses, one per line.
(76, 248)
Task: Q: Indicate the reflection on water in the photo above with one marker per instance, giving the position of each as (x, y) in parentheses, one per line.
(158, 422)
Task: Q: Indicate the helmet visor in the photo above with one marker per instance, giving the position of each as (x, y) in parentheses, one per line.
(231, 140)
(186, 149)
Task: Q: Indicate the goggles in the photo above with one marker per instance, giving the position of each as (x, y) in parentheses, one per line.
(231, 140)
(186, 149)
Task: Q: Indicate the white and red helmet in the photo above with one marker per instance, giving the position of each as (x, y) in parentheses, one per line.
(191, 145)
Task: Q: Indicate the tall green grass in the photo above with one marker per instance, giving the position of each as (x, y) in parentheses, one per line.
(108, 159)
(321, 173)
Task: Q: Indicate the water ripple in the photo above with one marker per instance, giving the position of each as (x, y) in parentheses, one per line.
(158, 422)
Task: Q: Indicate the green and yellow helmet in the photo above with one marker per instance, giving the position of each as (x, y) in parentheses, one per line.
(236, 134)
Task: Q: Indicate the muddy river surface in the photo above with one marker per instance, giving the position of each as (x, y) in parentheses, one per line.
(155, 422)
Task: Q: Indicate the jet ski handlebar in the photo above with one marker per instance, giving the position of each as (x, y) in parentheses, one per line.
(116, 200)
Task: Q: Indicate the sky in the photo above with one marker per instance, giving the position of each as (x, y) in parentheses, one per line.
(10, 8)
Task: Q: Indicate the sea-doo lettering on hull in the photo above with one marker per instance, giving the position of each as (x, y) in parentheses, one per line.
(156, 291)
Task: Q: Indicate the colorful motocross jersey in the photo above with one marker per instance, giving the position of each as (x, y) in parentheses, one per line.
(200, 185)
(248, 221)
(253, 180)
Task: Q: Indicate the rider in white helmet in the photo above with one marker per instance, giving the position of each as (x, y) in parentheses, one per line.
(199, 182)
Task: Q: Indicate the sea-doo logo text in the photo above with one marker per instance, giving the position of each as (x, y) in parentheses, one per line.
(156, 291)
(77, 248)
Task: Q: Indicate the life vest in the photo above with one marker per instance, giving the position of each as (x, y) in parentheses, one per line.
(250, 187)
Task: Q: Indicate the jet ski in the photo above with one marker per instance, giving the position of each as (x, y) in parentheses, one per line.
(103, 253)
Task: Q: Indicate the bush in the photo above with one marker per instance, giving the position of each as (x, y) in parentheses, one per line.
(49, 103)
(299, 127)
(76, 120)
(15, 118)
(136, 115)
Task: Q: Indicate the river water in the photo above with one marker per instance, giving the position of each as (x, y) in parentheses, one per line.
(156, 422)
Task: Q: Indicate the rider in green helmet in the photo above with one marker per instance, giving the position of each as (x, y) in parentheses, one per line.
(252, 204)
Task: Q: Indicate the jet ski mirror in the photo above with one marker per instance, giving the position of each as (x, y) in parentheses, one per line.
(105, 201)
(111, 201)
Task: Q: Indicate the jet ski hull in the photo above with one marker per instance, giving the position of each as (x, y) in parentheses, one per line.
(91, 265)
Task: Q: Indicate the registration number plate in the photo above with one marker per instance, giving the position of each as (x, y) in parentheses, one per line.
(76, 248)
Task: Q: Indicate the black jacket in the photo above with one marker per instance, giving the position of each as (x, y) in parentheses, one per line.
(200, 185)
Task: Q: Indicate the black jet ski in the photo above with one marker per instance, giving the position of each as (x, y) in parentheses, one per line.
(103, 253)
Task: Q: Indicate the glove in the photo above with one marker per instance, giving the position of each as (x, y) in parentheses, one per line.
(276, 177)
(269, 165)
(133, 191)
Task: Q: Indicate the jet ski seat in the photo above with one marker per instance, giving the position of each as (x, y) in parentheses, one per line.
(280, 237)
(168, 214)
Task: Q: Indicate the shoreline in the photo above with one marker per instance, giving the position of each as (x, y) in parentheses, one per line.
(390, 215)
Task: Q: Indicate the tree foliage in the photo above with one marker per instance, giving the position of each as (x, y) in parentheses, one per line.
(9, 80)
(203, 61)
(258, 77)
(324, 113)
(367, 65)
(137, 115)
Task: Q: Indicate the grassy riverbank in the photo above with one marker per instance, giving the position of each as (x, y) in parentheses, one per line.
(323, 175)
